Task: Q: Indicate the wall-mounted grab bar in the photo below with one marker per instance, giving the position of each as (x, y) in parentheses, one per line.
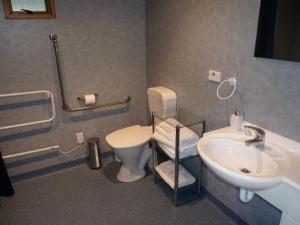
(66, 107)
(34, 122)
(31, 152)
(122, 101)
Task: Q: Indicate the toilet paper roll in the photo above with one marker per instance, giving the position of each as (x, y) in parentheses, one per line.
(90, 99)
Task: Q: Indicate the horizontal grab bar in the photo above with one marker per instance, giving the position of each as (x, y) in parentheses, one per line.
(34, 122)
(65, 106)
(31, 152)
(123, 101)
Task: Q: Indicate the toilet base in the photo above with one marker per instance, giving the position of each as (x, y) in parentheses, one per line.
(128, 175)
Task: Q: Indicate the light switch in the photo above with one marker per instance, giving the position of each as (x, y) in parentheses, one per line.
(80, 138)
(215, 76)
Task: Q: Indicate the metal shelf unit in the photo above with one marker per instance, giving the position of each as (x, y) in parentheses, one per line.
(156, 149)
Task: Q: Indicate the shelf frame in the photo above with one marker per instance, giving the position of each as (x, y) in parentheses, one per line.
(177, 159)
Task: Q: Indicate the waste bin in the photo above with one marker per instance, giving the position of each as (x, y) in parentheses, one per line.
(94, 153)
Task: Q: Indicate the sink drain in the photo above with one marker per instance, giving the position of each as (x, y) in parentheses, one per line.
(245, 170)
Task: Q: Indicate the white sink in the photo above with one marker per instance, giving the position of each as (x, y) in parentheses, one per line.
(273, 172)
(240, 165)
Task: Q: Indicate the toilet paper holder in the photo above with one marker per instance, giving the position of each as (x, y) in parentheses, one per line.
(81, 97)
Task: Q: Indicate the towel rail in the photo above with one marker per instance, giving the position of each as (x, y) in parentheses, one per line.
(50, 94)
(65, 106)
(31, 152)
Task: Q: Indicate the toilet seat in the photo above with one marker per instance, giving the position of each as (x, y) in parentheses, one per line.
(129, 137)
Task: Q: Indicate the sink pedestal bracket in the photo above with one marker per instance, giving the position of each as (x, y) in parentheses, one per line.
(246, 195)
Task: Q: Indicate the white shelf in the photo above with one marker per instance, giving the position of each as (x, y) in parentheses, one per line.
(166, 170)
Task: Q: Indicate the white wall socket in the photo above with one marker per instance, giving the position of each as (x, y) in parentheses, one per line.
(79, 137)
(215, 76)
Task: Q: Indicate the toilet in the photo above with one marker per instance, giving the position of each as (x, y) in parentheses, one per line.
(131, 144)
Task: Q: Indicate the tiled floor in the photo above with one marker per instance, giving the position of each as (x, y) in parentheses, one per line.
(84, 196)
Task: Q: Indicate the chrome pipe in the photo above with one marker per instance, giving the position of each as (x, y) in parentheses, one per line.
(53, 38)
(123, 101)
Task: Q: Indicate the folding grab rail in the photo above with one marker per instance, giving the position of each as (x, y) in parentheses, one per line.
(49, 94)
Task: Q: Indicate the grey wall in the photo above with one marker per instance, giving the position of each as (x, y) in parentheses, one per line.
(102, 46)
(103, 50)
(187, 38)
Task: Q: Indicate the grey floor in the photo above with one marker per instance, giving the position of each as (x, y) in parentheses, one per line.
(84, 196)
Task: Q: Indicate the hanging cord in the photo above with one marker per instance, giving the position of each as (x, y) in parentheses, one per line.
(66, 156)
(242, 104)
(72, 150)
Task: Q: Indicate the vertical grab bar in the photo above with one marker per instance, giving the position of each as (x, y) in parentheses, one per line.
(53, 37)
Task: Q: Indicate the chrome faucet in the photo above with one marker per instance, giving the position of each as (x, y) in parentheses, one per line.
(259, 139)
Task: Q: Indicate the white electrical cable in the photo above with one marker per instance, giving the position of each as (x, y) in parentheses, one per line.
(233, 82)
(72, 150)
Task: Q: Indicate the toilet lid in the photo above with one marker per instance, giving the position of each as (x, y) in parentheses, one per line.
(129, 136)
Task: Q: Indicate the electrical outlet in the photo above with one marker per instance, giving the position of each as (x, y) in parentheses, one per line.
(215, 76)
(79, 137)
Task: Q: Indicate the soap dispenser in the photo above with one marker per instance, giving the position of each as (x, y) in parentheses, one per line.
(236, 120)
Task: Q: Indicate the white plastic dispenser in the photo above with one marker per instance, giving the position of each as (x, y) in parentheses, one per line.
(236, 120)
(162, 101)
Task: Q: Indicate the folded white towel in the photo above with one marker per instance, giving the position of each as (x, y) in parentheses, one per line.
(167, 124)
(169, 168)
(167, 171)
(186, 135)
(165, 136)
(168, 131)
(192, 151)
(171, 144)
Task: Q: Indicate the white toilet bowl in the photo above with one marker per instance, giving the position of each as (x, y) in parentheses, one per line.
(130, 145)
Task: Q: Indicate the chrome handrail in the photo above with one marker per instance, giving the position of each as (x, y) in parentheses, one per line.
(66, 107)
(122, 101)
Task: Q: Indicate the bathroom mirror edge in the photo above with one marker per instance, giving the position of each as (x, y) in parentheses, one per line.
(278, 31)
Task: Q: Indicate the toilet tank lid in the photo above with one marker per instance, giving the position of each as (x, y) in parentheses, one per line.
(162, 93)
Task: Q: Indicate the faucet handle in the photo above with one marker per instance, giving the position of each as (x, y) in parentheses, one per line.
(258, 130)
(247, 131)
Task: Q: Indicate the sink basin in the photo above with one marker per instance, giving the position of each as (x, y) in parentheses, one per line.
(243, 166)
(271, 173)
